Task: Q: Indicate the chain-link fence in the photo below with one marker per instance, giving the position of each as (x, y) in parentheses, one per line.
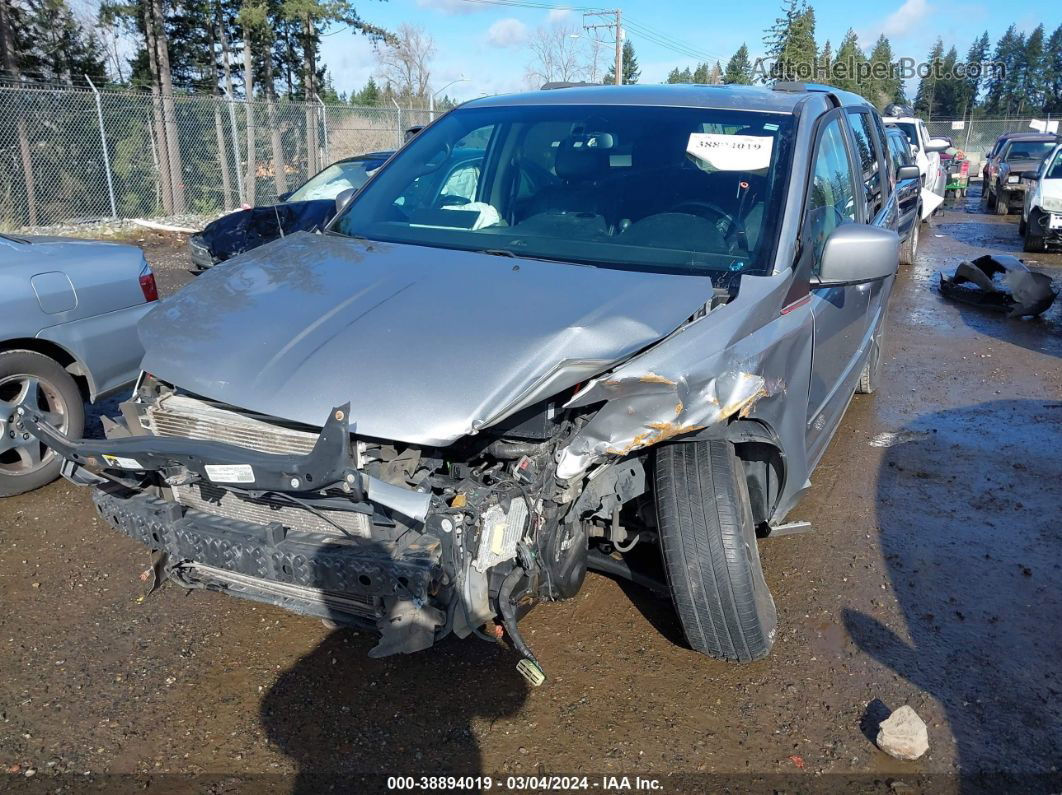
(71, 155)
(976, 136)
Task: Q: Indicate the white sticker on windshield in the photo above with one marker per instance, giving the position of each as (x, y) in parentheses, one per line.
(722, 152)
(230, 473)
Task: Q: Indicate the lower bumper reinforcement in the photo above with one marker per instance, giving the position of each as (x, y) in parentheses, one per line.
(361, 569)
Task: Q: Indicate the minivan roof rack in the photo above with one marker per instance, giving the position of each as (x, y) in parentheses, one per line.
(565, 84)
(797, 86)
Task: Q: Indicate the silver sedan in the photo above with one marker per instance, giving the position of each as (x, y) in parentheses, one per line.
(68, 315)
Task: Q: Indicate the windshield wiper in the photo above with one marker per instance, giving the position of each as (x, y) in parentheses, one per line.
(14, 239)
(504, 252)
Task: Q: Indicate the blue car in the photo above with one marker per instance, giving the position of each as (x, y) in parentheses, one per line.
(304, 209)
(68, 316)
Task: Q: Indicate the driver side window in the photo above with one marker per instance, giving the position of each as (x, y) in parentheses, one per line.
(832, 199)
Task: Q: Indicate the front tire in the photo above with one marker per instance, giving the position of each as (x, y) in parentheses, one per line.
(709, 547)
(1030, 240)
(27, 376)
(1002, 203)
(910, 246)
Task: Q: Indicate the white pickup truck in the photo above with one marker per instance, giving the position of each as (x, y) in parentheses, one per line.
(926, 151)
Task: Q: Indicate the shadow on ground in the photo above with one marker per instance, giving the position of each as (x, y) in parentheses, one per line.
(341, 715)
(968, 515)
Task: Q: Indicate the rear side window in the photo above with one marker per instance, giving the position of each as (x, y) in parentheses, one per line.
(832, 201)
(868, 159)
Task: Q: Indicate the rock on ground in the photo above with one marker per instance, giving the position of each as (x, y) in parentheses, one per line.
(903, 734)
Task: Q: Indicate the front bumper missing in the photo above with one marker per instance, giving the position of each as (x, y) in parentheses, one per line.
(181, 461)
(356, 581)
(267, 552)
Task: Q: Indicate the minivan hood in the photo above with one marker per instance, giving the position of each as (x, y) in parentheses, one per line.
(426, 344)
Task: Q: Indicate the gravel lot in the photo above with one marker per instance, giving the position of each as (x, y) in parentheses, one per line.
(930, 579)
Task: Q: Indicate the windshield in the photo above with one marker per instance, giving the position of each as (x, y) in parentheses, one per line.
(646, 188)
(1028, 150)
(335, 179)
(1054, 171)
(908, 129)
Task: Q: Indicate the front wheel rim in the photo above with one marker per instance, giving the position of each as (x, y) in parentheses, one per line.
(20, 453)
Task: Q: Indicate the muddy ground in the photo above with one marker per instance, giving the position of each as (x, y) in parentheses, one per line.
(930, 578)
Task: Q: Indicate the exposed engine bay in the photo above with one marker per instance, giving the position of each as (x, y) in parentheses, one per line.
(414, 542)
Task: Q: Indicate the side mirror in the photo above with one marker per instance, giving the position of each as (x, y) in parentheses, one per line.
(857, 253)
(937, 144)
(907, 172)
(344, 199)
(283, 197)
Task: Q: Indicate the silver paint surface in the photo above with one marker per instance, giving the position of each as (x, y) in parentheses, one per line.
(428, 345)
(82, 295)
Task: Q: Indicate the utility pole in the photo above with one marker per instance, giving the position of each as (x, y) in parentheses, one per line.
(617, 27)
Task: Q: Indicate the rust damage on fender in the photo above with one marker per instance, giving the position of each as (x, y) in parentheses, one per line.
(659, 432)
(642, 411)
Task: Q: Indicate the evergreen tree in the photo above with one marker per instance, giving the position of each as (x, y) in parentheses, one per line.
(1053, 73)
(950, 89)
(677, 75)
(1003, 86)
(739, 68)
(370, 95)
(631, 72)
(926, 98)
(823, 64)
(790, 43)
(976, 55)
(884, 85)
(848, 62)
(1032, 79)
(59, 48)
(701, 75)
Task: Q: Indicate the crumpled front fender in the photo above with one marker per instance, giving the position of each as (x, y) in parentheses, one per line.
(736, 360)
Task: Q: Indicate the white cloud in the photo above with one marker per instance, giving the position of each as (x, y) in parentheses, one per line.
(350, 59)
(453, 7)
(559, 15)
(508, 32)
(900, 22)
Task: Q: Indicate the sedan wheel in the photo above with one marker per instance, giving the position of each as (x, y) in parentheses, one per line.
(32, 379)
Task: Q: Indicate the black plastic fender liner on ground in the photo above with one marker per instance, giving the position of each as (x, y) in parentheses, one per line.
(1001, 282)
(709, 545)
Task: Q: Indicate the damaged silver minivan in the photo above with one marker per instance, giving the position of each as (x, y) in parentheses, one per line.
(553, 327)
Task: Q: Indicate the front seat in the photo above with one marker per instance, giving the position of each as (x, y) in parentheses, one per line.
(579, 168)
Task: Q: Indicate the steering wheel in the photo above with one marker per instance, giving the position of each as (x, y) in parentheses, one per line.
(713, 213)
(450, 200)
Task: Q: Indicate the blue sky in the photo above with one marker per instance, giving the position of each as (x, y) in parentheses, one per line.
(487, 43)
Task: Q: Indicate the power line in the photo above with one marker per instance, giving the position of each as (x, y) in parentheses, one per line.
(661, 39)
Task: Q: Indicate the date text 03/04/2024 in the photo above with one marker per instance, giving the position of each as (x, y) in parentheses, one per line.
(517, 783)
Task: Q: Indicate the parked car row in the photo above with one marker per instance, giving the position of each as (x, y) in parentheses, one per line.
(1023, 170)
(926, 151)
(551, 327)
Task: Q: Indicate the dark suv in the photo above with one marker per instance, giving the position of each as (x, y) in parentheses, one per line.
(1013, 160)
(634, 319)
